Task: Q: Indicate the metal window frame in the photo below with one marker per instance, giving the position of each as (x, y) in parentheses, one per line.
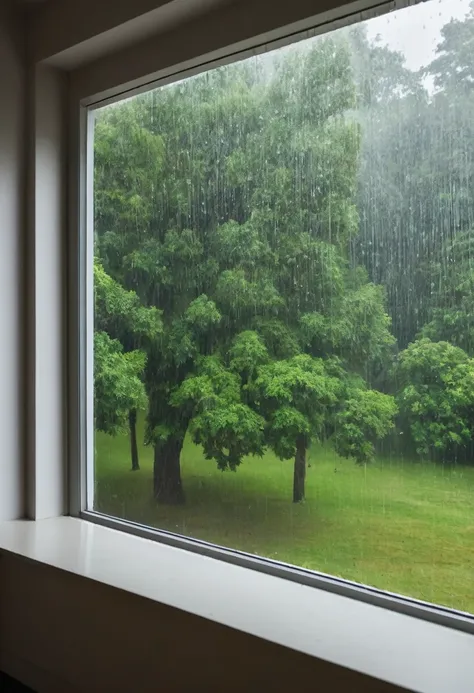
(80, 334)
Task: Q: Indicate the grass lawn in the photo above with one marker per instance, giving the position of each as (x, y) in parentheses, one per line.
(402, 526)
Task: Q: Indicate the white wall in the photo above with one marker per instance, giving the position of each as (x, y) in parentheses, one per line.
(46, 259)
(12, 188)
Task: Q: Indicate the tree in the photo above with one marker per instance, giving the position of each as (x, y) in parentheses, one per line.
(244, 225)
(129, 327)
(365, 417)
(417, 166)
(285, 404)
(296, 396)
(225, 426)
(444, 395)
(436, 396)
(452, 304)
(118, 384)
(396, 196)
(453, 67)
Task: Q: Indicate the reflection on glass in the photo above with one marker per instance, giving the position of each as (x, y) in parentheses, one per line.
(284, 305)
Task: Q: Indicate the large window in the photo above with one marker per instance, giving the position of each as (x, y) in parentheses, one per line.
(284, 304)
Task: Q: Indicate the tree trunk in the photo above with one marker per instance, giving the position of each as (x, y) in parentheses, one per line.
(300, 470)
(167, 472)
(132, 422)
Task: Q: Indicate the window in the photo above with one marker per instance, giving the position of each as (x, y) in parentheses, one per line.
(283, 303)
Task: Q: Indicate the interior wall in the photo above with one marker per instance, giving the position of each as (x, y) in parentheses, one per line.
(69, 34)
(12, 189)
(46, 259)
(61, 632)
(79, 22)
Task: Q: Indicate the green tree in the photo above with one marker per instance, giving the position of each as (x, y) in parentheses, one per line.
(128, 157)
(453, 67)
(396, 197)
(452, 304)
(130, 328)
(296, 396)
(417, 166)
(247, 178)
(365, 417)
(118, 384)
(225, 426)
(286, 404)
(436, 396)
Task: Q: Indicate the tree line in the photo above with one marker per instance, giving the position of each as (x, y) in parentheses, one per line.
(283, 256)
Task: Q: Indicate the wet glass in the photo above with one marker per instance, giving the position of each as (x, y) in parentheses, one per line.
(284, 306)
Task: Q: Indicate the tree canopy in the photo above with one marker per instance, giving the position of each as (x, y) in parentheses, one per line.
(227, 202)
(123, 330)
(269, 234)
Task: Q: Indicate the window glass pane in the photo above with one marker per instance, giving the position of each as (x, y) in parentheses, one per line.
(284, 306)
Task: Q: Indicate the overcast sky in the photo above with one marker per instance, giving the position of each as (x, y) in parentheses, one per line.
(416, 30)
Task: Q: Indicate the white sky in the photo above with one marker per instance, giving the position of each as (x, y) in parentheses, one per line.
(415, 31)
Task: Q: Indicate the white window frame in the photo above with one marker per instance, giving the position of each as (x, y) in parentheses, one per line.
(80, 377)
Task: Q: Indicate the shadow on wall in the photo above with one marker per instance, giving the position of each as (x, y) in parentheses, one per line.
(9, 685)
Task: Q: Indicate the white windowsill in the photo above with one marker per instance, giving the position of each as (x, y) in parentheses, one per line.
(409, 652)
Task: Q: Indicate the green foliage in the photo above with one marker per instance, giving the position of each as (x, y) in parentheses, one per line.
(296, 396)
(416, 210)
(436, 395)
(118, 385)
(228, 208)
(247, 353)
(120, 313)
(415, 174)
(452, 315)
(202, 314)
(240, 298)
(453, 68)
(226, 428)
(358, 331)
(240, 245)
(366, 417)
(128, 160)
(312, 398)
(233, 210)
(122, 324)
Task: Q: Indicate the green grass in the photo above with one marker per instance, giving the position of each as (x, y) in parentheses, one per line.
(400, 525)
